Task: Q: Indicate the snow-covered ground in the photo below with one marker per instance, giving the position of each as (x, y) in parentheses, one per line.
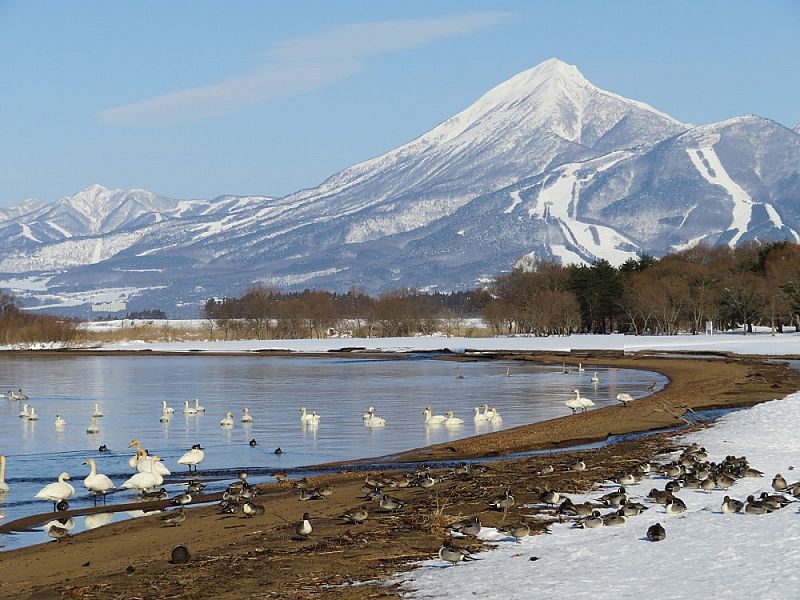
(707, 554)
(758, 343)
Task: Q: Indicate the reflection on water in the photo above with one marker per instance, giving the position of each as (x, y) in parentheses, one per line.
(131, 390)
(97, 520)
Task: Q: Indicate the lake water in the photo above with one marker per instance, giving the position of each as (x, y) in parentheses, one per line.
(130, 389)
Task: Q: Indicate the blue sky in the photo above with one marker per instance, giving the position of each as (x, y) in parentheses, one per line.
(190, 98)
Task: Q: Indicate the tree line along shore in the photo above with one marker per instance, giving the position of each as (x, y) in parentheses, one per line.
(753, 284)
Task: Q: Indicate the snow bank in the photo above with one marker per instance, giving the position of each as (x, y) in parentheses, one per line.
(706, 553)
(758, 343)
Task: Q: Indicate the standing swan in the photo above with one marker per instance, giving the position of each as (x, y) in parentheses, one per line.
(574, 404)
(246, 418)
(145, 481)
(56, 492)
(431, 419)
(227, 421)
(3, 485)
(583, 401)
(97, 411)
(97, 483)
(193, 457)
(145, 463)
(308, 418)
(625, 398)
(135, 458)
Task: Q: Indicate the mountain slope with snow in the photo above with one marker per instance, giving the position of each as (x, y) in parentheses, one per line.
(544, 165)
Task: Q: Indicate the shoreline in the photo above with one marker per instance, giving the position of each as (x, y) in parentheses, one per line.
(234, 556)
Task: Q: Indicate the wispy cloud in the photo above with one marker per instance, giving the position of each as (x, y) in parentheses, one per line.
(296, 66)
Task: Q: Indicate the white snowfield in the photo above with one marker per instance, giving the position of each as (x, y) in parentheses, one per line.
(706, 554)
(757, 343)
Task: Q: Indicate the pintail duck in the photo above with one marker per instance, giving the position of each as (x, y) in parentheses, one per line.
(578, 466)
(549, 497)
(174, 519)
(454, 554)
(779, 483)
(517, 531)
(631, 509)
(756, 507)
(617, 519)
(469, 527)
(303, 528)
(731, 505)
(675, 506)
(656, 533)
(354, 517)
(591, 522)
(625, 479)
(503, 502)
(390, 504)
(615, 498)
(58, 533)
(251, 509)
(546, 470)
(659, 496)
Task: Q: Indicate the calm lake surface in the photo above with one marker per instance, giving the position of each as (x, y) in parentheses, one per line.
(130, 389)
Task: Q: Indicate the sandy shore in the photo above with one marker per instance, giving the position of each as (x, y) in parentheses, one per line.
(237, 557)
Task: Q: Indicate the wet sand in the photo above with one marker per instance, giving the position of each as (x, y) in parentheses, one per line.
(238, 557)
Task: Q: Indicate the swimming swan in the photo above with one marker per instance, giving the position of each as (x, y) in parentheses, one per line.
(167, 409)
(308, 418)
(59, 422)
(55, 492)
(479, 416)
(24, 414)
(93, 427)
(197, 406)
(188, 410)
(374, 421)
(595, 378)
(246, 418)
(3, 485)
(97, 483)
(227, 421)
(32, 416)
(431, 419)
(452, 421)
(97, 411)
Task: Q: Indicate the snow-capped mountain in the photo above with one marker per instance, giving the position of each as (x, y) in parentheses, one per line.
(544, 165)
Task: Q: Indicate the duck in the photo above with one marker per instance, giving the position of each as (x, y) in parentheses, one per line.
(652, 387)
(97, 411)
(197, 407)
(578, 465)
(103, 448)
(246, 418)
(227, 421)
(625, 399)
(354, 517)
(253, 443)
(193, 457)
(675, 506)
(503, 502)
(59, 422)
(517, 531)
(55, 492)
(617, 519)
(145, 481)
(469, 527)
(595, 378)
(303, 528)
(3, 485)
(656, 533)
(452, 421)
(308, 418)
(25, 413)
(58, 533)
(97, 483)
(174, 519)
(390, 504)
(779, 483)
(593, 521)
(373, 420)
(454, 554)
(93, 426)
(32, 416)
(731, 505)
(188, 410)
(431, 419)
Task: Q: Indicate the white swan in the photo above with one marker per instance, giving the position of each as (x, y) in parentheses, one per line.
(584, 402)
(188, 410)
(508, 371)
(145, 464)
(368, 414)
(193, 457)
(308, 418)
(246, 418)
(164, 418)
(374, 421)
(3, 485)
(145, 481)
(97, 411)
(458, 373)
(574, 404)
(197, 406)
(97, 483)
(625, 398)
(580, 368)
(167, 409)
(59, 422)
(227, 421)
(431, 419)
(20, 395)
(32, 416)
(56, 492)
(24, 414)
(479, 416)
(595, 378)
(93, 426)
(452, 421)
(135, 458)
(494, 416)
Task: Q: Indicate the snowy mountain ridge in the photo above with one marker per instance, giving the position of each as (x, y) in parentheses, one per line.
(544, 165)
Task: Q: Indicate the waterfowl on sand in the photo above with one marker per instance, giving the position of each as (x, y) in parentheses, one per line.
(303, 528)
(625, 399)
